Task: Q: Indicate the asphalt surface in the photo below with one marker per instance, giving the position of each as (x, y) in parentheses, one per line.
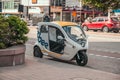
(103, 52)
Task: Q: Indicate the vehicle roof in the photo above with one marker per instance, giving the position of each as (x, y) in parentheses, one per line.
(64, 23)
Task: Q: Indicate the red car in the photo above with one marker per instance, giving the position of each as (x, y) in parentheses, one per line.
(102, 23)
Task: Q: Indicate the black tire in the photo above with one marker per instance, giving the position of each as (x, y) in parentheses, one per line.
(85, 28)
(115, 31)
(105, 29)
(81, 59)
(37, 52)
(95, 30)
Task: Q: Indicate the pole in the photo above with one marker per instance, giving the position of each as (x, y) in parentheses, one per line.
(26, 11)
(54, 12)
(109, 10)
(80, 11)
(4, 7)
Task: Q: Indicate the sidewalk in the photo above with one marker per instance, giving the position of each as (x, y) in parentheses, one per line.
(50, 69)
(41, 69)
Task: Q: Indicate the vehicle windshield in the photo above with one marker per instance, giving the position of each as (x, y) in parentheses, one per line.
(75, 32)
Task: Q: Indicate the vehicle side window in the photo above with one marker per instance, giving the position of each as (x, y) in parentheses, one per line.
(94, 20)
(44, 29)
(54, 33)
(59, 33)
(106, 19)
(100, 20)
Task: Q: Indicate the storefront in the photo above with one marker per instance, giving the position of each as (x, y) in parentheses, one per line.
(80, 15)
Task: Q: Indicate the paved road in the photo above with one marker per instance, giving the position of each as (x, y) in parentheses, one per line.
(103, 53)
(99, 67)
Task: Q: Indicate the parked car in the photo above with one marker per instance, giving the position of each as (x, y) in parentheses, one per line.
(102, 23)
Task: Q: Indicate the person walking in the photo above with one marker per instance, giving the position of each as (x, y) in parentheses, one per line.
(46, 18)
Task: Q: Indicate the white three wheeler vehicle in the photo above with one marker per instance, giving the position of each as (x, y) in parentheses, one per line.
(61, 40)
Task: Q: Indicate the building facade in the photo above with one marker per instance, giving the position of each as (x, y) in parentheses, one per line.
(78, 12)
(9, 6)
(57, 9)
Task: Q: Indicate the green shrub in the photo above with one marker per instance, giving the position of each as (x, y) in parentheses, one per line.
(2, 45)
(12, 31)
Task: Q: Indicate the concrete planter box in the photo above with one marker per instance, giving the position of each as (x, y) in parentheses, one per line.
(12, 56)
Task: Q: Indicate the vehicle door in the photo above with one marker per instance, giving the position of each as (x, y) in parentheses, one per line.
(100, 23)
(92, 24)
(55, 44)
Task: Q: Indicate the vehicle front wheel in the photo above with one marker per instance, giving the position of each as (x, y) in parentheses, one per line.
(37, 52)
(81, 59)
(105, 29)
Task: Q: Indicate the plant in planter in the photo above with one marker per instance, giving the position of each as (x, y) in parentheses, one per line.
(12, 32)
(4, 28)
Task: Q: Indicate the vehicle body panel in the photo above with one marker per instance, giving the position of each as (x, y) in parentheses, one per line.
(111, 23)
(46, 40)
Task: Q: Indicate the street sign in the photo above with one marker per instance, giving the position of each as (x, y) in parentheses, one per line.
(34, 1)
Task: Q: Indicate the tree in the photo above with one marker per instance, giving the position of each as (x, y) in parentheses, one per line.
(103, 4)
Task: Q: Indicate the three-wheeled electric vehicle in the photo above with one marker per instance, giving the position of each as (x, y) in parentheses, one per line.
(61, 40)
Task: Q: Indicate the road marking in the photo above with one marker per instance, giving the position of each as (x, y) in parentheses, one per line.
(105, 37)
(104, 56)
(95, 55)
(80, 79)
(104, 50)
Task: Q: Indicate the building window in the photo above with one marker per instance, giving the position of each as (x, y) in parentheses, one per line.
(8, 4)
(12, 4)
(57, 2)
(16, 4)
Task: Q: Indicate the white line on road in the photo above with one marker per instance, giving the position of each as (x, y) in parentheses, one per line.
(94, 55)
(104, 56)
(105, 36)
(105, 50)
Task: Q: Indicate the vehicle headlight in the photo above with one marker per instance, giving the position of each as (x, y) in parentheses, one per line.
(83, 44)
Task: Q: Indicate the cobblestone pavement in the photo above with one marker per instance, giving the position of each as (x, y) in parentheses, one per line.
(48, 69)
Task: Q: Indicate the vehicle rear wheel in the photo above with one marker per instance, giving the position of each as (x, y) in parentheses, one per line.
(95, 30)
(81, 59)
(85, 28)
(37, 52)
(105, 29)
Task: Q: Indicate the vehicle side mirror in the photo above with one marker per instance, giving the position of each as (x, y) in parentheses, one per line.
(61, 38)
